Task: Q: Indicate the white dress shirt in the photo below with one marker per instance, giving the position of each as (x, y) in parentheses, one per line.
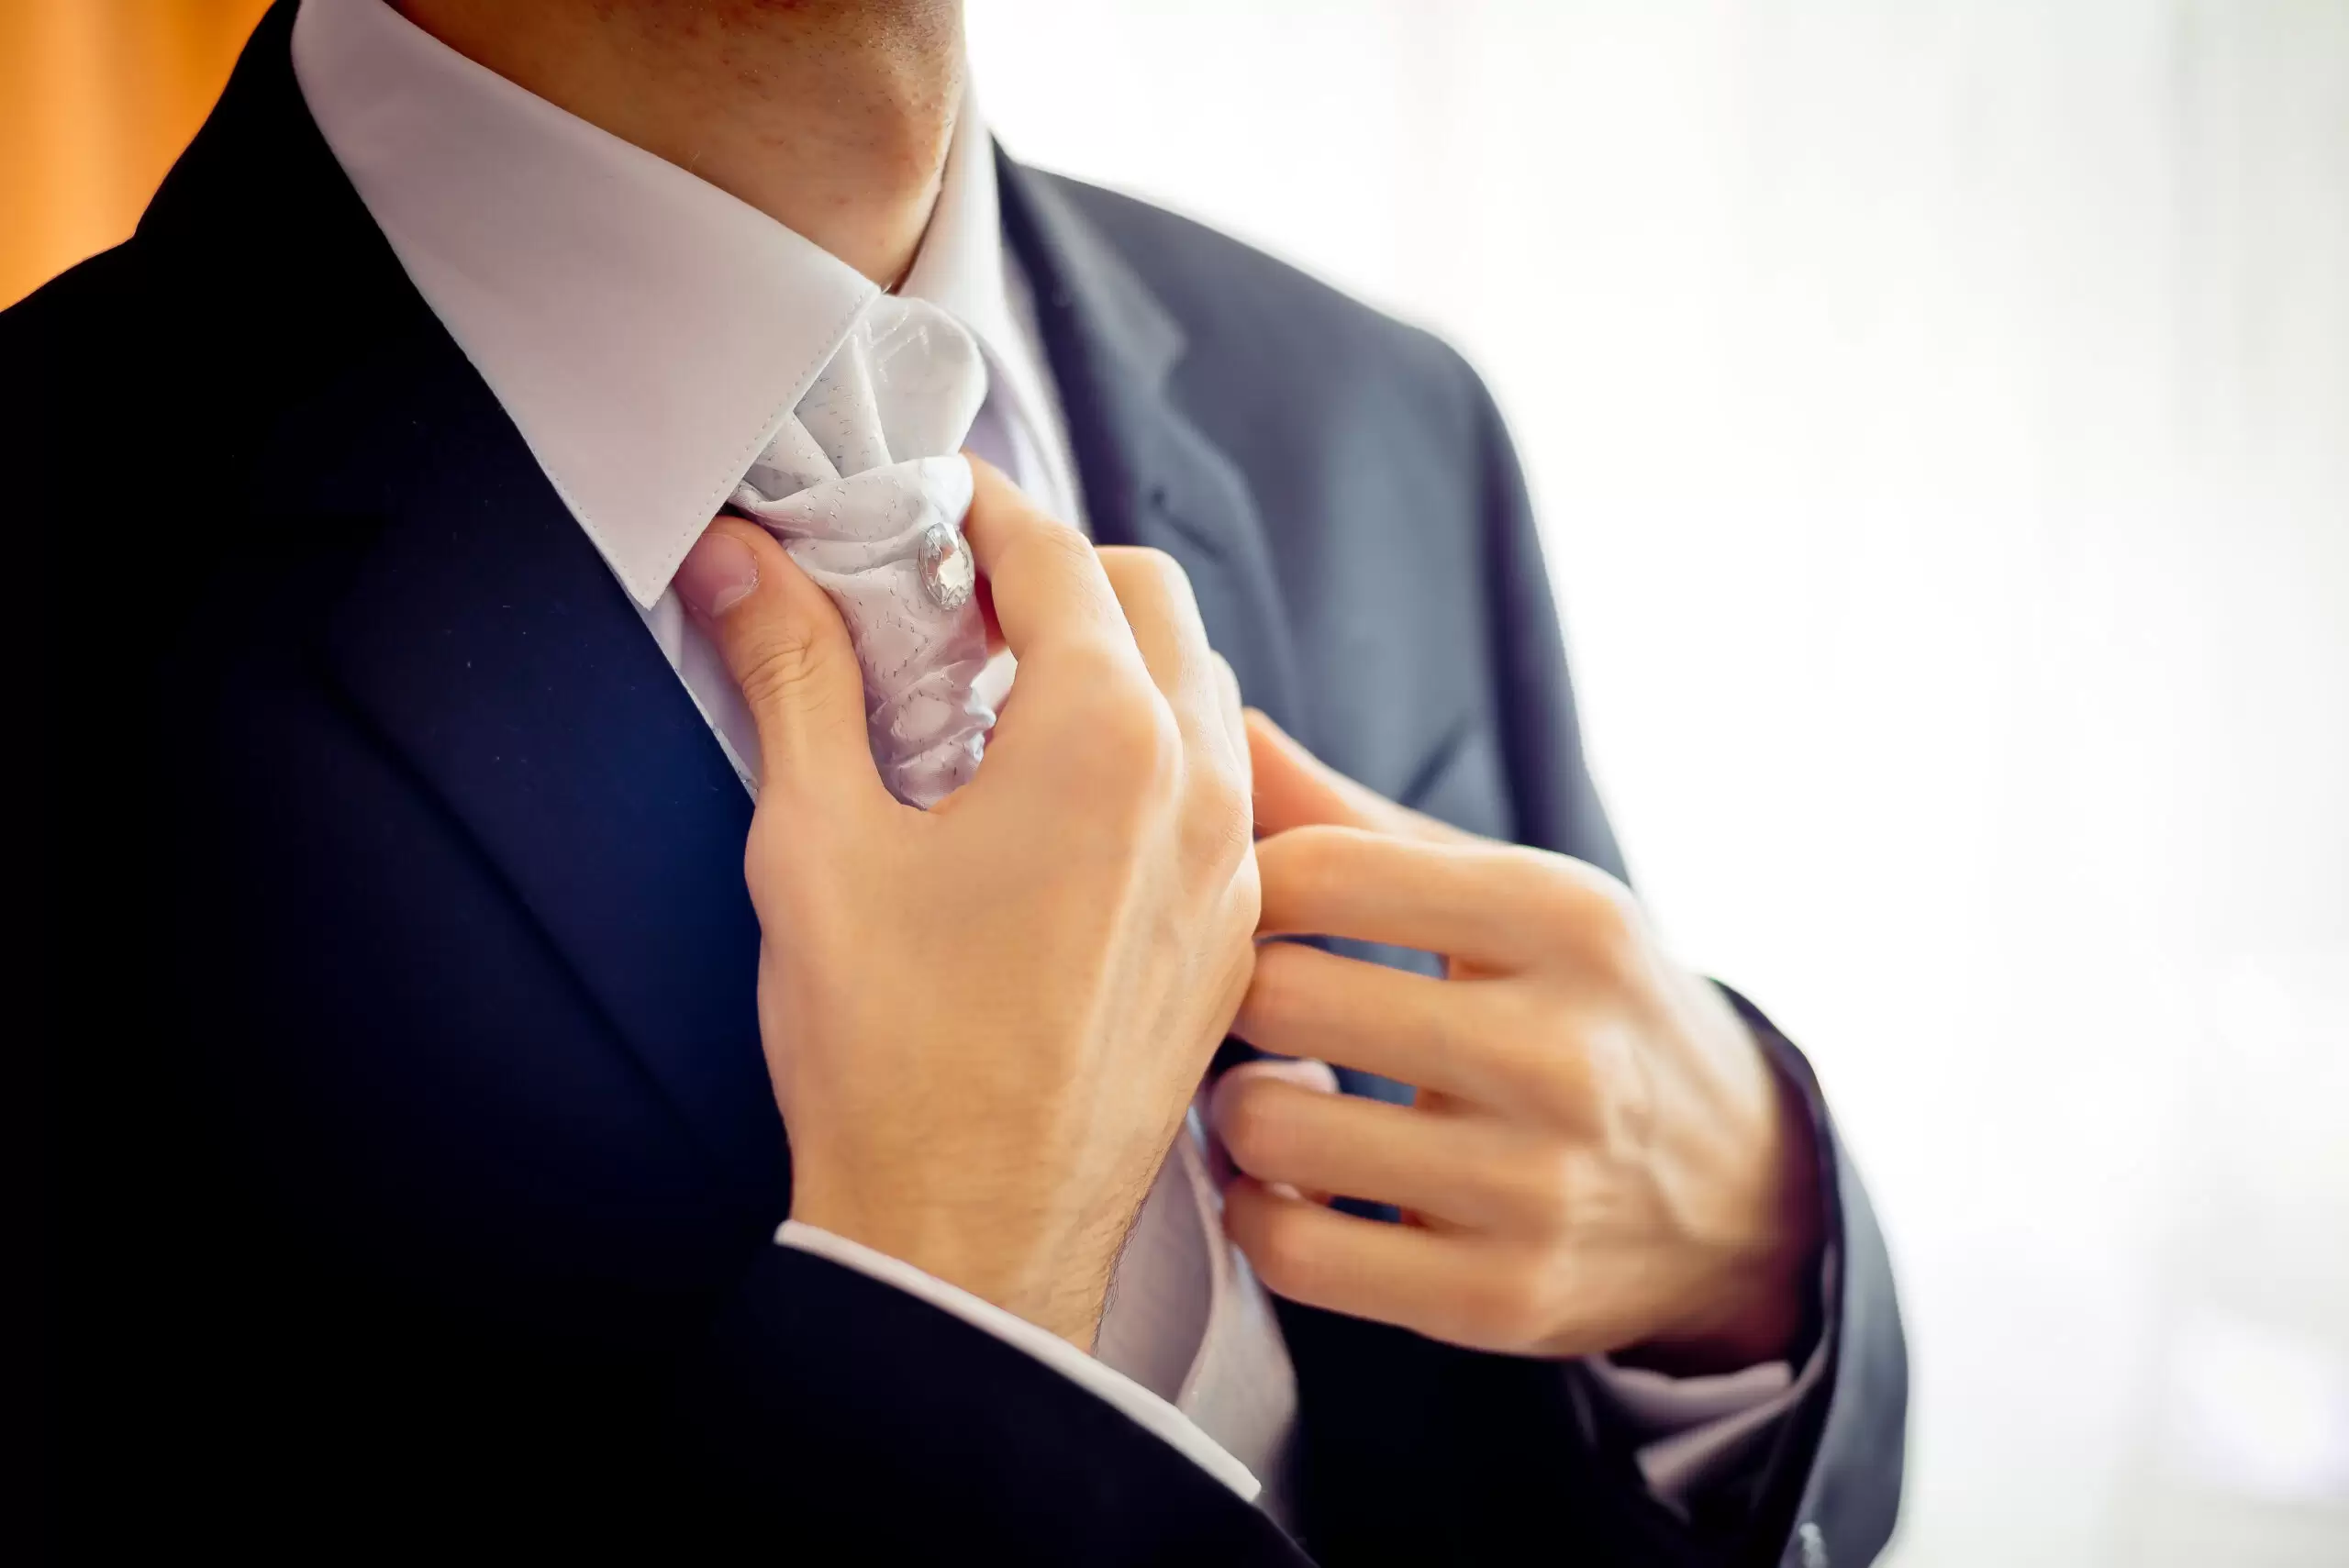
(647, 333)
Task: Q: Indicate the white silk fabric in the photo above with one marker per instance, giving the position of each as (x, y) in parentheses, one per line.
(865, 466)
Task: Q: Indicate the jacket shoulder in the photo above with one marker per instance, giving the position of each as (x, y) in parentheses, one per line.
(78, 305)
(72, 352)
(71, 370)
(1235, 302)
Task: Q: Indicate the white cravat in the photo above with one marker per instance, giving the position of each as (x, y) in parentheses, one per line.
(650, 336)
(864, 487)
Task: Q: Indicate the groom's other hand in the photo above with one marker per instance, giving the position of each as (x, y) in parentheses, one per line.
(1599, 1157)
(983, 1021)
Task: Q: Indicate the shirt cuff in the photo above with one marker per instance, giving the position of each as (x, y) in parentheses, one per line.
(1693, 1428)
(1141, 1406)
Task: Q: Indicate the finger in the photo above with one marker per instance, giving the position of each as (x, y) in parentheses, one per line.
(1471, 1170)
(1480, 902)
(1315, 1077)
(1043, 577)
(984, 594)
(1448, 1036)
(1235, 721)
(1155, 593)
(1459, 1286)
(1295, 789)
(787, 648)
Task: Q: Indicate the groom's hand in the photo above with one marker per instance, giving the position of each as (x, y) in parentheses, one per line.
(1598, 1156)
(983, 1021)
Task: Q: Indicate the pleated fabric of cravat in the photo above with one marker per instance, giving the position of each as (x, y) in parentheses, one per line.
(864, 487)
(860, 478)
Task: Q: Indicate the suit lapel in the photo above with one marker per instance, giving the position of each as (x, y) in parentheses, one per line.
(1150, 477)
(491, 647)
(474, 630)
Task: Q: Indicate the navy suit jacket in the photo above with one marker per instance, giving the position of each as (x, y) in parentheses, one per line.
(411, 1158)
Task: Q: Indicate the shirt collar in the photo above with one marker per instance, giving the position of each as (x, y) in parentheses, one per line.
(647, 332)
(965, 268)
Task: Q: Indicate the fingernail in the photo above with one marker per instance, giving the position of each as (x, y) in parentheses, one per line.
(718, 573)
(1305, 1072)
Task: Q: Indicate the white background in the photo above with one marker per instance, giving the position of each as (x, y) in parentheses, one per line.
(1940, 414)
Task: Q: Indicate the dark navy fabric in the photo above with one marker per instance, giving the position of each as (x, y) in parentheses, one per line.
(409, 1161)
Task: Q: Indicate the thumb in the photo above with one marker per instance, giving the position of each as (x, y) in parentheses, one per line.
(786, 647)
(1295, 789)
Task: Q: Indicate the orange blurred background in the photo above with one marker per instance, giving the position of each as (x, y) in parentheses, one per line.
(96, 98)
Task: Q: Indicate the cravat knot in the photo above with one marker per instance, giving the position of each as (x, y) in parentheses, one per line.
(864, 472)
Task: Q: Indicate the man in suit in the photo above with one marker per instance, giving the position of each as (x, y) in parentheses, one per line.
(452, 1148)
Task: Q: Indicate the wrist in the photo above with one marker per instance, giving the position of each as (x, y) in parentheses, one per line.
(1755, 1314)
(1759, 1299)
(977, 1253)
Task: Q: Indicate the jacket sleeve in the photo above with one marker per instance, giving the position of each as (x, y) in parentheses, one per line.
(859, 1412)
(1825, 1484)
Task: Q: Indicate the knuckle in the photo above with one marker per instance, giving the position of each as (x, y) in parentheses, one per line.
(1224, 791)
(1607, 904)
(1132, 722)
(1153, 567)
(759, 866)
(1304, 862)
(1248, 890)
(1055, 548)
(1551, 1066)
(1144, 740)
(1597, 912)
(1244, 907)
(1227, 680)
(1541, 882)
(1514, 1062)
(1561, 1098)
(1222, 812)
(1545, 1188)
(1238, 964)
(761, 850)
(795, 899)
(783, 665)
(1503, 1306)
(1253, 1126)
(1129, 740)
(1286, 1258)
(1098, 678)
(776, 865)
(1271, 990)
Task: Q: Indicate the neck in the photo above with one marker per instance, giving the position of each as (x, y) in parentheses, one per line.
(831, 116)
